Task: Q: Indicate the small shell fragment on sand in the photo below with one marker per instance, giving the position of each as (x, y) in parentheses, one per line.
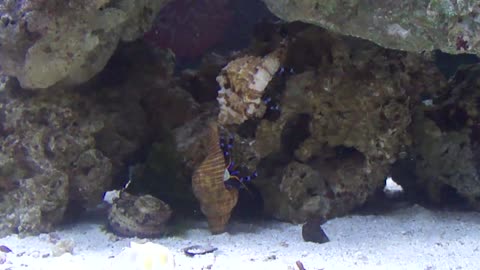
(313, 232)
(300, 265)
(5, 249)
(198, 250)
(62, 247)
(147, 256)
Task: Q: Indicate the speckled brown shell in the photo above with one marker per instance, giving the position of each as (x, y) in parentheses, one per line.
(242, 84)
(216, 201)
(140, 216)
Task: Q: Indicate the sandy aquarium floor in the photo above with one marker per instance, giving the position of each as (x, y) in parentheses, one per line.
(408, 238)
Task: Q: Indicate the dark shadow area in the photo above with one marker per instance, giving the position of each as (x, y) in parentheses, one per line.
(296, 130)
(448, 64)
(249, 205)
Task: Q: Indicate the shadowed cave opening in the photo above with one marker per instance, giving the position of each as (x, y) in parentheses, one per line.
(295, 132)
(449, 118)
(401, 188)
(450, 197)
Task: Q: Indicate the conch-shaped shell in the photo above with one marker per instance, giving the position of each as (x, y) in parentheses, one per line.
(216, 201)
(242, 83)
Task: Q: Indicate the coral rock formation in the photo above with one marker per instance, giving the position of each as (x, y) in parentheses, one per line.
(344, 120)
(412, 25)
(46, 42)
(44, 145)
(447, 142)
(56, 153)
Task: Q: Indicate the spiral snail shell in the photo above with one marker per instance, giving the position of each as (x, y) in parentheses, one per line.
(242, 85)
(216, 201)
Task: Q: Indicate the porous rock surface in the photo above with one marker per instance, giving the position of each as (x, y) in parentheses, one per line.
(447, 142)
(44, 42)
(52, 157)
(344, 119)
(412, 25)
(177, 150)
(346, 108)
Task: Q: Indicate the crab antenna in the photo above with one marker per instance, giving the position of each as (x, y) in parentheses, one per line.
(240, 181)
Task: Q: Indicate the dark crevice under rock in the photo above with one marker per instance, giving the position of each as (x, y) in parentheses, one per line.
(295, 132)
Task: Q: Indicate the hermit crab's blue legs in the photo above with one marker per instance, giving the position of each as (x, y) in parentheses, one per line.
(226, 147)
(239, 182)
(232, 177)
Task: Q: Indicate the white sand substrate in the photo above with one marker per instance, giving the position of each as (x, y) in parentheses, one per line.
(409, 238)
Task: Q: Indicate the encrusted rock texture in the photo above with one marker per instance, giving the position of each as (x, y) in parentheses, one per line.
(447, 142)
(345, 112)
(412, 25)
(45, 42)
(49, 158)
(346, 109)
(340, 115)
(47, 141)
(62, 148)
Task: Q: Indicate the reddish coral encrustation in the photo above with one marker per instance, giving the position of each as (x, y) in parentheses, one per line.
(190, 27)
